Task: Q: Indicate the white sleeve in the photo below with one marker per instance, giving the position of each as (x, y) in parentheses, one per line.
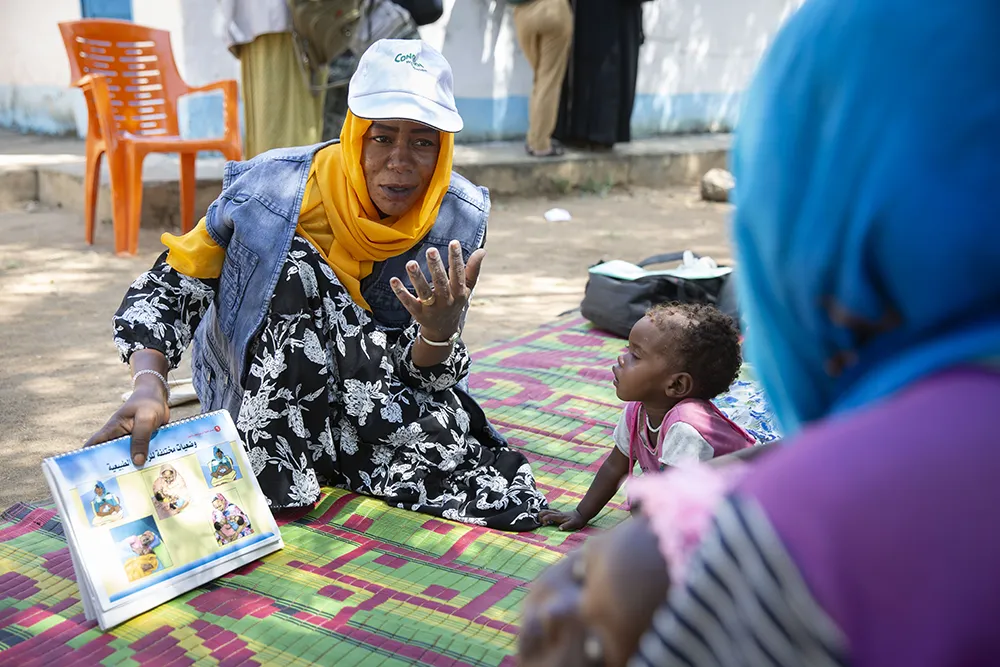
(682, 443)
(621, 435)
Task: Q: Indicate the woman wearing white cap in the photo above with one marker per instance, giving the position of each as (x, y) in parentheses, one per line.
(306, 291)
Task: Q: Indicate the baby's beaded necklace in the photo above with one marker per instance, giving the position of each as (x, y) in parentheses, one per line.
(650, 426)
(653, 444)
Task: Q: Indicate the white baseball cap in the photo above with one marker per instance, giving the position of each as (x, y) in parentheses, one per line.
(404, 79)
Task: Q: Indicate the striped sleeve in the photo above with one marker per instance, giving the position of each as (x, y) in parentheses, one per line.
(743, 603)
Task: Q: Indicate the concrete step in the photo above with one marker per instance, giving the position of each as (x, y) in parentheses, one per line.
(52, 171)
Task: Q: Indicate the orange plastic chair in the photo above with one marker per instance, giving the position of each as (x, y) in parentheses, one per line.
(131, 84)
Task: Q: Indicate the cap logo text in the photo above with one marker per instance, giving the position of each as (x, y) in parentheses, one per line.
(411, 59)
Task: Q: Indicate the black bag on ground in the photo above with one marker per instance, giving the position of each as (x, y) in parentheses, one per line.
(615, 304)
(424, 12)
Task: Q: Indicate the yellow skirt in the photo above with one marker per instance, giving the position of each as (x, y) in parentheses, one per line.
(279, 109)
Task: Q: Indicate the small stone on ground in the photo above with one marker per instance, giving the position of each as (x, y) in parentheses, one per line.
(716, 185)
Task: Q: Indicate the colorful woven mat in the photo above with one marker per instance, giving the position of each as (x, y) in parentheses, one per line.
(358, 583)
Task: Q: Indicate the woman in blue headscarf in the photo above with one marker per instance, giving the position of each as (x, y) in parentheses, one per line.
(868, 236)
(106, 506)
(221, 468)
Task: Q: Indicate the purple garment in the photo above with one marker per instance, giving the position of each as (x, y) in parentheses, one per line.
(890, 514)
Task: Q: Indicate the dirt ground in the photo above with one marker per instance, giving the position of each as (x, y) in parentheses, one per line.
(60, 377)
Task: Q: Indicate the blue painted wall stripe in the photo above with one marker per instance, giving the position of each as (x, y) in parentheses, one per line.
(507, 118)
(106, 9)
(42, 109)
(60, 110)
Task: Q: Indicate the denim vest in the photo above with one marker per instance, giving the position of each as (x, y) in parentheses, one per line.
(254, 219)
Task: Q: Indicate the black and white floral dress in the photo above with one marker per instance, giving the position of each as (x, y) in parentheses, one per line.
(332, 398)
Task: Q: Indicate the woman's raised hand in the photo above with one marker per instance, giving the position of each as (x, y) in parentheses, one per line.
(439, 305)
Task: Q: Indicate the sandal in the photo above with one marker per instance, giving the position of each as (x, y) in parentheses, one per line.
(554, 151)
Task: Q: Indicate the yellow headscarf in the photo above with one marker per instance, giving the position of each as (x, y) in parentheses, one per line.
(337, 216)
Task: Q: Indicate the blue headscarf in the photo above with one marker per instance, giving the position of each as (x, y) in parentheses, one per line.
(100, 485)
(867, 228)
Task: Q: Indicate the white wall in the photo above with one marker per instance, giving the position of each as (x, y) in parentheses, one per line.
(165, 15)
(34, 70)
(206, 57)
(698, 57)
(478, 39)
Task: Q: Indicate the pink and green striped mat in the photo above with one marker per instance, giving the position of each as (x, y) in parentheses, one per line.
(358, 583)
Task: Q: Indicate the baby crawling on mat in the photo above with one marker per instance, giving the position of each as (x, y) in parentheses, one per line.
(592, 607)
(679, 356)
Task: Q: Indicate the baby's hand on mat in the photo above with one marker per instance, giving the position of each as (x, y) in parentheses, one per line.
(565, 520)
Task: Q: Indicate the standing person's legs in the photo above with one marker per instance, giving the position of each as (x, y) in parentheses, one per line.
(557, 38)
(545, 30)
(278, 107)
(527, 36)
(631, 39)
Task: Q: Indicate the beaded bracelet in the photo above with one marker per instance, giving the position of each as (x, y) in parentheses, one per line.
(150, 371)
